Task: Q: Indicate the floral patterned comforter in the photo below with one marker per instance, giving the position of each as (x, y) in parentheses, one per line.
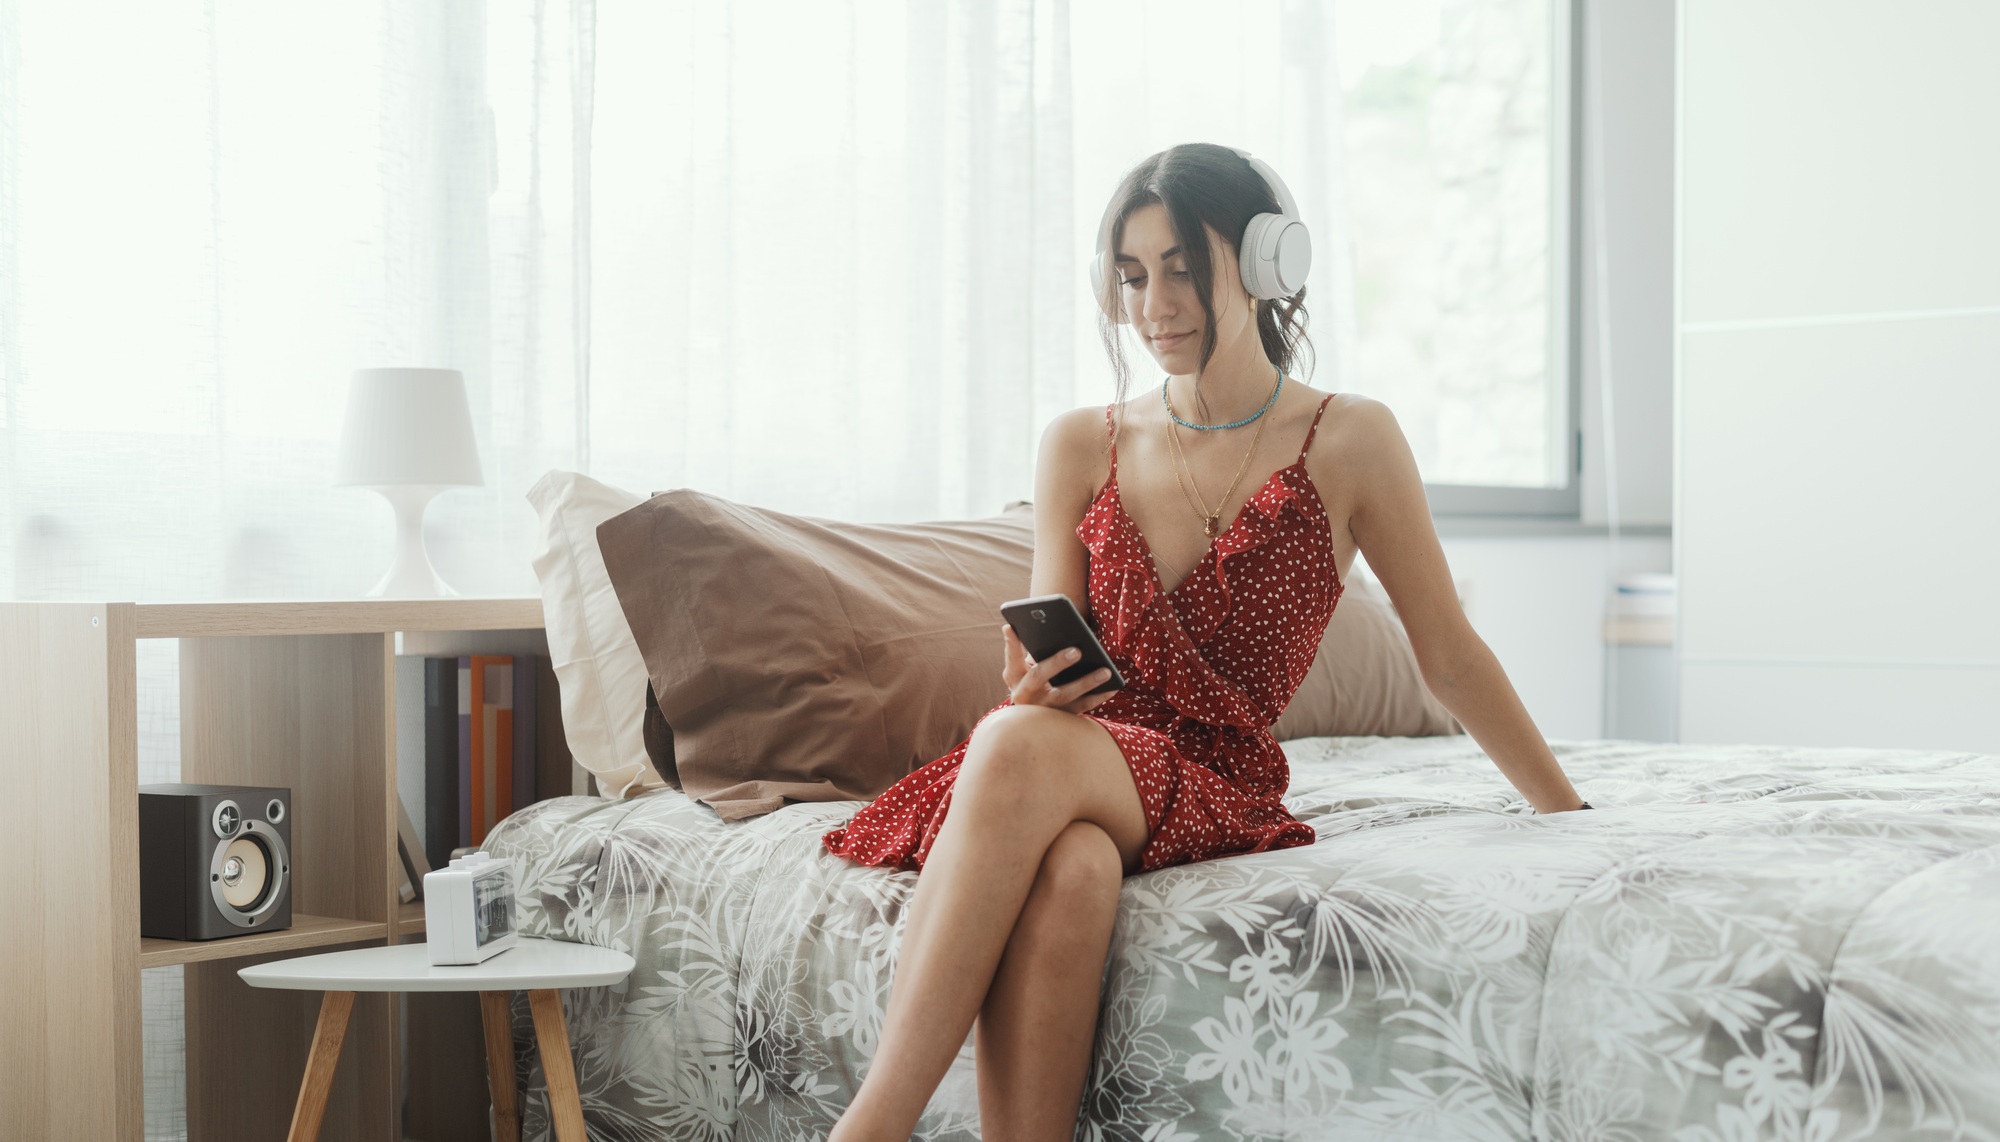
(1739, 943)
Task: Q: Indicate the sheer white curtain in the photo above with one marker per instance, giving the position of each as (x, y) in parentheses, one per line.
(209, 214)
(833, 270)
(839, 256)
(825, 257)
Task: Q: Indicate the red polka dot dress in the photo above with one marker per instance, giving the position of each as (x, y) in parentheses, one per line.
(1208, 667)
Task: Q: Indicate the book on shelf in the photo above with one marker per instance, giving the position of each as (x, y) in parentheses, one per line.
(460, 775)
(465, 767)
(427, 749)
(497, 765)
(440, 755)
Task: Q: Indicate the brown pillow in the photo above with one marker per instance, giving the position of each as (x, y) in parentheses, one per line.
(811, 659)
(1364, 680)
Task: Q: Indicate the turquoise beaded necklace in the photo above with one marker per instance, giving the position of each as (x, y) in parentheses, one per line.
(1233, 424)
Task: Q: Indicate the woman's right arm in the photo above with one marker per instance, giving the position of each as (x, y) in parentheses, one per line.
(1066, 475)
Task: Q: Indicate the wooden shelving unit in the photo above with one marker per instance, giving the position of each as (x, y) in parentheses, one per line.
(344, 616)
(299, 694)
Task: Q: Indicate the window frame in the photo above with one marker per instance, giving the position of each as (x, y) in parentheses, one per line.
(1491, 501)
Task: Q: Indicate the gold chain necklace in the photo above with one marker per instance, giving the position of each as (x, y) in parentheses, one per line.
(1211, 521)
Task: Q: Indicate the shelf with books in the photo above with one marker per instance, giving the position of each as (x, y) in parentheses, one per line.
(478, 736)
(296, 694)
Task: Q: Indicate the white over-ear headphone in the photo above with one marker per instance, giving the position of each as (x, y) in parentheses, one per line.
(1274, 253)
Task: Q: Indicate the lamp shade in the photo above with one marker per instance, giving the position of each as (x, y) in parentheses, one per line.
(407, 426)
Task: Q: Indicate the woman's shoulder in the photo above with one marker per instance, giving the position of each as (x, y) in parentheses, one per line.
(1356, 420)
(1075, 436)
(1081, 421)
(1077, 441)
(1358, 445)
(1075, 457)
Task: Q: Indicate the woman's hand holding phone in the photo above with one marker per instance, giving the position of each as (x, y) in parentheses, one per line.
(1028, 681)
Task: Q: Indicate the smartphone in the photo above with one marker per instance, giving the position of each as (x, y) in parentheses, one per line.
(1050, 624)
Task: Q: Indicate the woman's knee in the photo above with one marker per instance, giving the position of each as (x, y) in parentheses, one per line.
(1082, 871)
(1014, 728)
(1016, 747)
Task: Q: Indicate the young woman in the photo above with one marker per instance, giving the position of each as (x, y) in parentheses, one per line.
(1205, 531)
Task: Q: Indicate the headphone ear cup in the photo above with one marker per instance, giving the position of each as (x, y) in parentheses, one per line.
(1259, 276)
(1275, 256)
(1291, 257)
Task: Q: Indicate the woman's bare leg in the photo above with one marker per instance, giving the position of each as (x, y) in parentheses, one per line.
(1040, 1019)
(1029, 772)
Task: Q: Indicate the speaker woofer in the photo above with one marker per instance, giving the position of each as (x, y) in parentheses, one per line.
(248, 873)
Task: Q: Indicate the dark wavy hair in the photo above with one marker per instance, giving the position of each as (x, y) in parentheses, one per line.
(1201, 185)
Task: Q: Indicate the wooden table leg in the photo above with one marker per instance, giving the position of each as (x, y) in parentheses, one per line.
(552, 1035)
(313, 1089)
(493, 1011)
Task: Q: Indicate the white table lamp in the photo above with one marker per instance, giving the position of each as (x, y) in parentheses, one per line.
(408, 435)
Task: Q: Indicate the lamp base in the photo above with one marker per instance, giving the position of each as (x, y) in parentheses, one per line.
(411, 575)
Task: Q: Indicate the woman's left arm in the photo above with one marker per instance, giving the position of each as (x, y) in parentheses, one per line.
(1391, 524)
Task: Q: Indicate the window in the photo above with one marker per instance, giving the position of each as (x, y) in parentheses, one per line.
(1456, 128)
(1428, 145)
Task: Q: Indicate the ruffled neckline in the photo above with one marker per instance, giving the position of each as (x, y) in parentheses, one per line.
(1258, 522)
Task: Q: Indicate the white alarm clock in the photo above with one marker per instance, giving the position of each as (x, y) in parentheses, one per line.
(469, 909)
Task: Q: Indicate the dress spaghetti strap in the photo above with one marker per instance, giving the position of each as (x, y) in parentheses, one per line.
(1111, 434)
(1314, 428)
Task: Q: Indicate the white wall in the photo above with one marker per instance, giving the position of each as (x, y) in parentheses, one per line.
(1839, 372)
(1538, 601)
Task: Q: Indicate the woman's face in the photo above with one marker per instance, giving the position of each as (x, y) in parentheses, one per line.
(1158, 293)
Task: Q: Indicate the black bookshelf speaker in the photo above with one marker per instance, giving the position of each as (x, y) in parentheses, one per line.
(214, 860)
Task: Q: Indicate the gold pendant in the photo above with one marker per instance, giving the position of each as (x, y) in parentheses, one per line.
(1210, 525)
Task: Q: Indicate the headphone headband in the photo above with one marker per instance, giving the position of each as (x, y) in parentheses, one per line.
(1279, 190)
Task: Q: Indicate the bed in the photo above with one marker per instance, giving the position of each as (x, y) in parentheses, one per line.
(1743, 943)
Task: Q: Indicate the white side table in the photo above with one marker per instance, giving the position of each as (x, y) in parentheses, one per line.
(538, 967)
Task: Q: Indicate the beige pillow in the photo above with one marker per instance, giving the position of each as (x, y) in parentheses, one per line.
(811, 659)
(599, 672)
(1364, 680)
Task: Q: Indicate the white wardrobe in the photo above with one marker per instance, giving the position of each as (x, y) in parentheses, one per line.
(1837, 516)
